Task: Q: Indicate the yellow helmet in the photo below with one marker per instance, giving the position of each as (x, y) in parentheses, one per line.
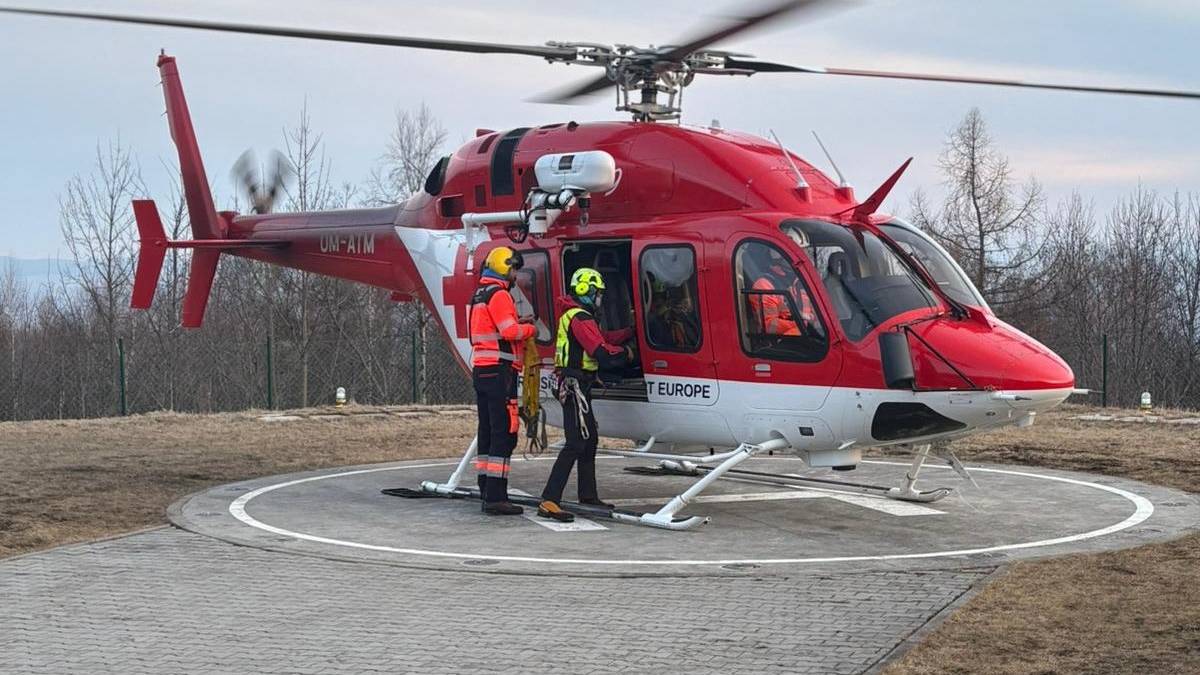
(503, 260)
(584, 281)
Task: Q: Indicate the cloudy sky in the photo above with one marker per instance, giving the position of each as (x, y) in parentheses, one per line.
(67, 85)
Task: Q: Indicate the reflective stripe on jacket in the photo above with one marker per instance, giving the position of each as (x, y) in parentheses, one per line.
(496, 331)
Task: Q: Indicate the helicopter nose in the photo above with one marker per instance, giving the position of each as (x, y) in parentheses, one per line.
(989, 354)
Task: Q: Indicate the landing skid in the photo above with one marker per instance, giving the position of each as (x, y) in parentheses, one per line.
(583, 510)
(666, 518)
(906, 492)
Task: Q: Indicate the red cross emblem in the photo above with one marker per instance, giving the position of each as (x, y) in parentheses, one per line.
(457, 290)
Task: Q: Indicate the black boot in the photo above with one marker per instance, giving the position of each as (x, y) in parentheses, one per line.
(482, 481)
(502, 509)
(595, 501)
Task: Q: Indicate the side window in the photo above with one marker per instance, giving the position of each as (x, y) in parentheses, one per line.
(670, 298)
(776, 311)
(531, 293)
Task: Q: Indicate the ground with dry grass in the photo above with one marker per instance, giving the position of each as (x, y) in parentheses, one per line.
(1127, 611)
(1131, 611)
(75, 480)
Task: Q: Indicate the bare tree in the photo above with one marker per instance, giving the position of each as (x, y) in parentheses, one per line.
(413, 147)
(98, 228)
(1185, 217)
(985, 222)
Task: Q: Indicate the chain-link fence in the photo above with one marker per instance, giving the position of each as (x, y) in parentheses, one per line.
(76, 377)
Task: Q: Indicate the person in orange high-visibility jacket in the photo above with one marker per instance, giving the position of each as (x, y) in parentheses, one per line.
(497, 336)
(771, 306)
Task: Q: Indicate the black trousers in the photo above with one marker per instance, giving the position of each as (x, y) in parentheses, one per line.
(496, 403)
(577, 450)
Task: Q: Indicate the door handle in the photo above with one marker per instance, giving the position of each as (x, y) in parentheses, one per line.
(762, 369)
(659, 363)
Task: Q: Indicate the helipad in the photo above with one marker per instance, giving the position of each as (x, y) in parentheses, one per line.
(756, 528)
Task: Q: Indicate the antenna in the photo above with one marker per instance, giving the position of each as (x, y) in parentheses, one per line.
(841, 179)
(801, 184)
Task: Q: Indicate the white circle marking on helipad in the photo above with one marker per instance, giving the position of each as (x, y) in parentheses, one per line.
(1143, 510)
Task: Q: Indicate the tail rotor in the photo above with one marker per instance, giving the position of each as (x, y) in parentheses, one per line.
(263, 183)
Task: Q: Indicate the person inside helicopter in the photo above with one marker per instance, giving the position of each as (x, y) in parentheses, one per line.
(769, 301)
(671, 322)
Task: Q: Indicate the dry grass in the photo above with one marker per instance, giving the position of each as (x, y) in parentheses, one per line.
(1128, 611)
(1131, 611)
(68, 481)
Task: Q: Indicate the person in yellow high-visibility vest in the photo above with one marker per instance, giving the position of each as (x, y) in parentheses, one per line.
(582, 349)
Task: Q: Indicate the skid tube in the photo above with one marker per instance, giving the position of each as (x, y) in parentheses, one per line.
(666, 518)
(632, 517)
(906, 493)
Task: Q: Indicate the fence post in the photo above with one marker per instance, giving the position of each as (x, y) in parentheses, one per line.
(121, 374)
(270, 376)
(1104, 371)
(413, 368)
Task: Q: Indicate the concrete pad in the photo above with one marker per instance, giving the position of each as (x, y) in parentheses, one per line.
(1016, 513)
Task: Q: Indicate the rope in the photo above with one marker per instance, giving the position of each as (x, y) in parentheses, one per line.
(531, 410)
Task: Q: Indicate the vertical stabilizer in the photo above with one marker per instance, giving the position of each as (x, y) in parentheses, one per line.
(200, 281)
(206, 224)
(153, 249)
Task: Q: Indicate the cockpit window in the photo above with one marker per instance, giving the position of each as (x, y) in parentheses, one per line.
(941, 266)
(866, 281)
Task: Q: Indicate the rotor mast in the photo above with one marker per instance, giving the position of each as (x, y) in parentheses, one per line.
(641, 75)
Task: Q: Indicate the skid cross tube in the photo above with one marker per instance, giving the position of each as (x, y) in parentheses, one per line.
(455, 478)
(665, 517)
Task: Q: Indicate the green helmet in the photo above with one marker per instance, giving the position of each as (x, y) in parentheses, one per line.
(585, 282)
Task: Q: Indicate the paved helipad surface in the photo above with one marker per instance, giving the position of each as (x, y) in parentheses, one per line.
(756, 528)
(335, 577)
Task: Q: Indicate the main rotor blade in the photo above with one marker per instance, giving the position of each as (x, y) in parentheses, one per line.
(331, 36)
(765, 15)
(582, 89)
(768, 67)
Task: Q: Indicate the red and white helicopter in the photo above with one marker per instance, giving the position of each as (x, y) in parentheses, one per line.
(888, 342)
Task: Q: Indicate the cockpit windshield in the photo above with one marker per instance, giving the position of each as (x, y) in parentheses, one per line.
(948, 275)
(866, 281)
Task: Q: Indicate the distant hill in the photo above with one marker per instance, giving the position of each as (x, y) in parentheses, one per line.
(36, 273)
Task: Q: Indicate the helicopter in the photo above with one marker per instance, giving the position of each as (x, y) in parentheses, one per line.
(878, 337)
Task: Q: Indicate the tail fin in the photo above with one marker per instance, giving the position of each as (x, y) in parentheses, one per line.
(208, 227)
(150, 255)
(200, 281)
(206, 253)
(206, 224)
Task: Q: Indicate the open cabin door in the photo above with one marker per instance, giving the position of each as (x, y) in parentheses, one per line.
(612, 258)
(675, 350)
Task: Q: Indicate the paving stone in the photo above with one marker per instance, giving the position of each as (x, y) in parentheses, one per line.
(172, 601)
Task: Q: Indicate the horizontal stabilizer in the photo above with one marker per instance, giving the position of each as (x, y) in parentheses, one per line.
(150, 255)
(153, 251)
